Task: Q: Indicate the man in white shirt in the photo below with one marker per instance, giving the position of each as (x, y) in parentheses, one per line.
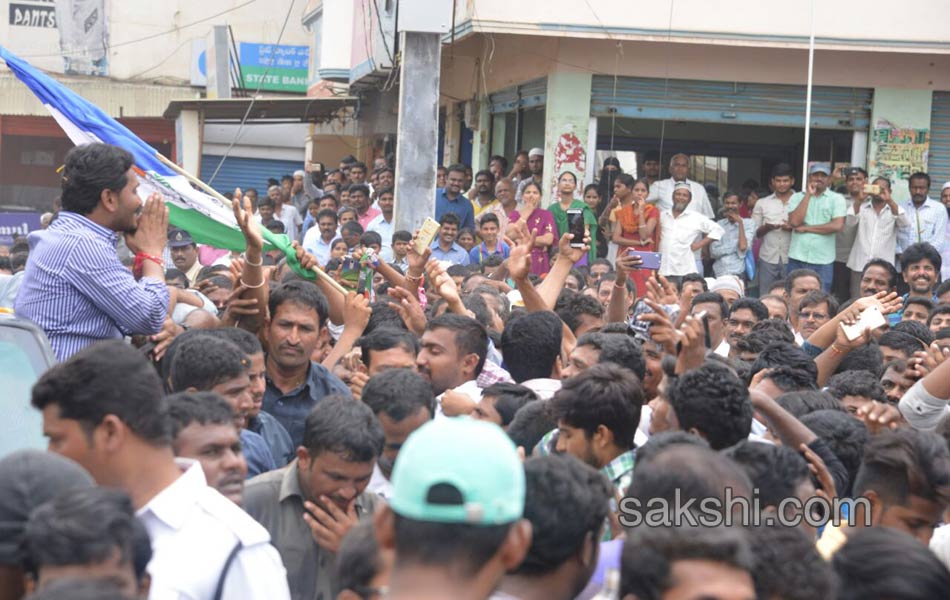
(771, 220)
(319, 240)
(928, 218)
(878, 223)
(285, 212)
(452, 355)
(103, 408)
(383, 222)
(661, 192)
(681, 235)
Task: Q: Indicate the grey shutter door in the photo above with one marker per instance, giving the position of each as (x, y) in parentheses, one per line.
(730, 102)
(938, 163)
(245, 172)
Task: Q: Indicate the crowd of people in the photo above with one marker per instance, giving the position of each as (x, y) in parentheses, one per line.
(510, 412)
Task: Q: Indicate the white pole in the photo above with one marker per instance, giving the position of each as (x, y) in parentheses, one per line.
(811, 67)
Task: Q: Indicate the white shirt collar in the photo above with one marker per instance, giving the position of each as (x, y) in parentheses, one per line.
(171, 504)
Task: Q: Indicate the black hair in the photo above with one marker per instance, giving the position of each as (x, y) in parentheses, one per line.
(940, 309)
(942, 289)
(358, 560)
(175, 274)
(880, 562)
(783, 170)
(338, 424)
(775, 471)
(488, 218)
(801, 402)
(399, 393)
(816, 297)
(509, 399)
(402, 236)
(798, 274)
(204, 408)
(457, 167)
(276, 226)
(531, 345)
(787, 354)
(901, 341)
(605, 394)
(477, 305)
(916, 329)
(620, 350)
(107, 378)
(918, 252)
(715, 402)
(566, 502)
(789, 379)
(383, 316)
(327, 212)
(370, 238)
(501, 159)
(919, 175)
(887, 266)
(578, 305)
(450, 218)
(922, 301)
(865, 358)
(302, 293)
(856, 383)
(471, 337)
(352, 227)
(692, 278)
(246, 341)
(359, 188)
(386, 189)
(91, 169)
(209, 271)
(85, 527)
(79, 588)
(465, 547)
(759, 310)
(204, 361)
(905, 462)
(775, 329)
(530, 424)
(712, 298)
(788, 566)
(649, 553)
(845, 435)
(663, 440)
(386, 338)
(625, 179)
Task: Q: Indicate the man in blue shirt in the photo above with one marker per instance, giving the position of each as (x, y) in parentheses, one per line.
(297, 325)
(450, 198)
(74, 286)
(445, 248)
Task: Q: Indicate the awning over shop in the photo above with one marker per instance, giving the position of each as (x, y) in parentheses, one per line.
(308, 110)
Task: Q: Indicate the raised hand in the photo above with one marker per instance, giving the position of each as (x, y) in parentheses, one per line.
(573, 254)
(151, 231)
(409, 309)
(245, 220)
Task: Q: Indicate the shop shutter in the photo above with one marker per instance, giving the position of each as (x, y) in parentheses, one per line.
(938, 164)
(245, 172)
(730, 102)
(527, 95)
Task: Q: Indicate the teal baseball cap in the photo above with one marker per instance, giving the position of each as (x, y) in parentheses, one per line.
(459, 470)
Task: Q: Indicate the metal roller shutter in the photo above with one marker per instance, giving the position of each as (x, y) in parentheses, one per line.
(527, 95)
(938, 163)
(245, 172)
(730, 102)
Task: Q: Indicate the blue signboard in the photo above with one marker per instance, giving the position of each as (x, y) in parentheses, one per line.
(13, 224)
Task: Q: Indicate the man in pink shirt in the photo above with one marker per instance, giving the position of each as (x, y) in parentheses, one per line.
(359, 199)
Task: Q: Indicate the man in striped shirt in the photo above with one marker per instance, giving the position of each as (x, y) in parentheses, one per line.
(74, 287)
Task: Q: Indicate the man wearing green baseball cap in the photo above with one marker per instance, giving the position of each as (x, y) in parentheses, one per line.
(455, 517)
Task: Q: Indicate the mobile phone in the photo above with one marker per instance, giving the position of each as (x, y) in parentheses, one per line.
(575, 226)
(350, 271)
(871, 318)
(872, 188)
(430, 227)
(702, 316)
(649, 260)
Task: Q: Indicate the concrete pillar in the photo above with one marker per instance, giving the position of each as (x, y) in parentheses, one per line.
(481, 134)
(566, 128)
(498, 126)
(189, 136)
(418, 139)
(900, 127)
(453, 132)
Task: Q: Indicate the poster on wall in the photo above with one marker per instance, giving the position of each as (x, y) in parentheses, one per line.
(83, 36)
(898, 152)
(32, 13)
(569, 155)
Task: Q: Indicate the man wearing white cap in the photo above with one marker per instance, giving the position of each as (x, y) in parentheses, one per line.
(816, 216)
(661, 192)
(682, 235)
(536, 166)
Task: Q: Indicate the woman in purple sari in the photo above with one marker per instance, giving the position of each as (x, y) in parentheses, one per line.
(539, 222)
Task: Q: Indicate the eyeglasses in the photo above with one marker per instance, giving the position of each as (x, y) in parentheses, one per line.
(812, 316)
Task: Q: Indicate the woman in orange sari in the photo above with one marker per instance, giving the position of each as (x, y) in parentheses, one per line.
(636, 227)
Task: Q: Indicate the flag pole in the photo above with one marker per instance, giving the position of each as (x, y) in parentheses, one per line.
(811, 69)
(214, 193)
